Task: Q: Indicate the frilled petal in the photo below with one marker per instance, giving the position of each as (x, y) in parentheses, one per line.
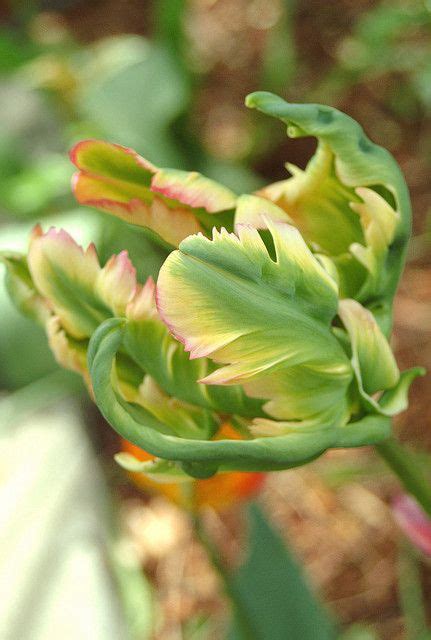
(76, 288)
(164, 358)
(228, 299)
(351, 202)
(173, 204)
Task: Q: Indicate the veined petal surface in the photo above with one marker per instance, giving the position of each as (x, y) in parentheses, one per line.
(227, 298)
(148, 340)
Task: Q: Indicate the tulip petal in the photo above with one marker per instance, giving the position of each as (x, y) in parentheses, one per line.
(69, 353)
(21, 288)
(193, 189)
(318, 203)
(228, 299)
(171, 203)
(116, 283)
(147, 338)
(181, 418)
(305, 393)
(372, 357)
(373, 362)
(252, 210)
(351, 185)
(76, 288)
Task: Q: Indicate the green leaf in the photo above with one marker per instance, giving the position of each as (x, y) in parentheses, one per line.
(274, 591)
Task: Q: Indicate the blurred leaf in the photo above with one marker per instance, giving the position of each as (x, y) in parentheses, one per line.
(24, 353)
(37, 395)
(358, 632)
(134, 590)
(136, 105)
(411, 594)
(274, 591)
(57, 579)
(169, 23)
(15, 50)
(279, 65)
(42, 185)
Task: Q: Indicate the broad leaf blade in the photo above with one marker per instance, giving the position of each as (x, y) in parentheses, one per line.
(275, 592)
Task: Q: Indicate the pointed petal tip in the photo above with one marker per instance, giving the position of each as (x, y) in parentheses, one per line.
(253, 100)
(78, 147)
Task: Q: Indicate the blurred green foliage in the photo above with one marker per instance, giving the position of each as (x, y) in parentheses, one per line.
(280, 606)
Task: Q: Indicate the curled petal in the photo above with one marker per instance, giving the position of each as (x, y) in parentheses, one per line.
(350, 203)
(171, 203)
(64, 275)
(76, 288)
(21, 288)
(69, 353)
(372, 357)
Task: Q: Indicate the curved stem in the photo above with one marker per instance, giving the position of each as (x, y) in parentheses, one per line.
(404, 464)
(236, 601)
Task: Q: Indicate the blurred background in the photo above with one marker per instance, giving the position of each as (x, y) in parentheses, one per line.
(82, 550)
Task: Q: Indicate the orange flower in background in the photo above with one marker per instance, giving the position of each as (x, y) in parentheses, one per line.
(219, 492)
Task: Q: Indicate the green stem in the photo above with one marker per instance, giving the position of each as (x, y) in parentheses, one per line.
(411, 593)
(408, 470)
(239, 610)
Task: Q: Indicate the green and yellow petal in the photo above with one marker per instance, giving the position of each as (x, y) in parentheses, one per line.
(21, 288)
(148, 340)
(69, 353)
(351, 202)
(171, 203)
(372, 358)
(226, 298)
(64, 274)
(74, 285)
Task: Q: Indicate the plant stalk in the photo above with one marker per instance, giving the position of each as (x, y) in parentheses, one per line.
(408, 469)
